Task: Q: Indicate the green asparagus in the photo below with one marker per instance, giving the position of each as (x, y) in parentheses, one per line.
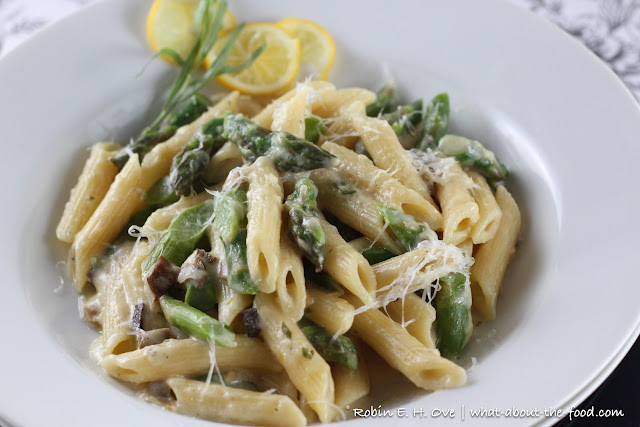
(406, 121)
(161, 193)
(184, 93)
(196, 323)
(184, 232)
(201, 298)
(197, 276)
(313, 128)
(473, 154)
(385, 102)
(340, 350)
(435, 122)
(321, 279)
(408, 230)
(305, 229)
(453, 314)
(190, 111)
(376, 255)
(288, 152)
(231, 225)
(188, 166)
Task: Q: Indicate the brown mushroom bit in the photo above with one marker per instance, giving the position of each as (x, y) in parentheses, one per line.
(163, 276)
(251, 322)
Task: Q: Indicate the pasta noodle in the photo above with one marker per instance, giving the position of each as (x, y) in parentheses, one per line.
(187, 357)
(422, 366)
(383, 186)
(97, 175)
(122, 200)
(493, 257)
(459, 209)
(231, 405)
(263, 230)
(311, 375)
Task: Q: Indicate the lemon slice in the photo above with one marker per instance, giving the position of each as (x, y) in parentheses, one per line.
(272, 72)
(318, 48)
(170, 23)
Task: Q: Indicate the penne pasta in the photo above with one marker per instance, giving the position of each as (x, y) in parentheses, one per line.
(289, 117)
(187, 357)
(488, 211)
(333, 103)
(330, 311)
(422, 366)
(265, 117)
(93, 184)
(416, 316)
(387, 190)
(122, 200)
(492, 257)
(309, 372)
(232, 405)
(348, 266)
(459, 209)
(264, 200)
(388, 154)
(340, 130)
(290, 282)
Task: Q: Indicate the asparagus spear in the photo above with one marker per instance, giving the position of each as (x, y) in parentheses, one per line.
(231, 224)
(305, 229)
(408, 230)
(184, 232)
(453, 314)
(376, 255)
(189, 82)
(189, 165)
(197, 276)
(385, 102)
(161, 193)
(201, 298)
(473, 154)
(288, 152)
(436, 121)
(406, 121)
(313, 128)
(196, 323)
(341, 350)
(322, 279)
(191, 110)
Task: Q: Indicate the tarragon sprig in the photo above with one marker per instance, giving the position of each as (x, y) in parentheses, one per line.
(189, 81)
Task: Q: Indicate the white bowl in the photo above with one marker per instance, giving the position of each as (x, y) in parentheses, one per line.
(558, 118)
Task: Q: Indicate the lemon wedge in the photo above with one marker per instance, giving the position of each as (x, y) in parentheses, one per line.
(318, 48)
(272, 72)
(170, 23)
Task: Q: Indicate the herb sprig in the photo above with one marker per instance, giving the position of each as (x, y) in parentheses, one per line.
(208, 20)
